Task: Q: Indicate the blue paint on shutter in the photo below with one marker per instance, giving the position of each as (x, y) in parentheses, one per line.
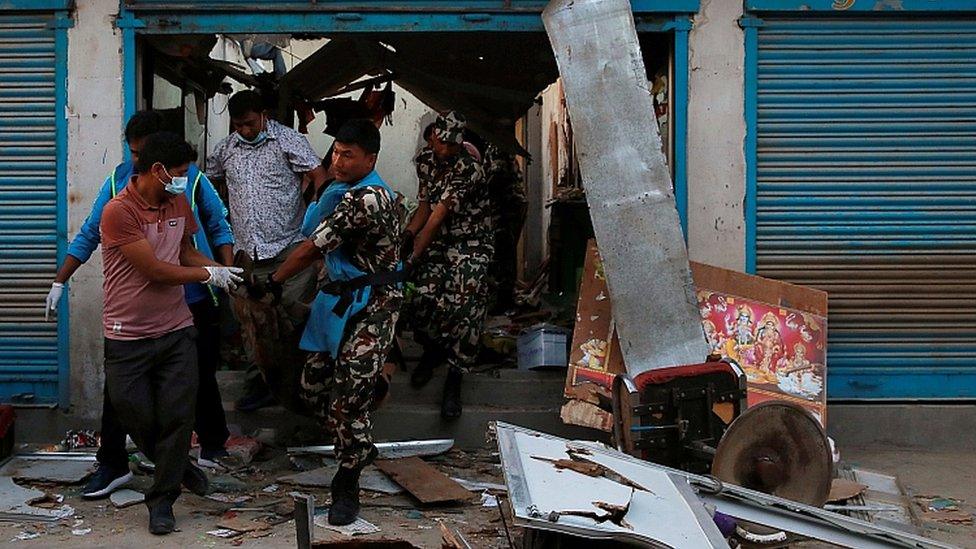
(32, 232)
(865, 186)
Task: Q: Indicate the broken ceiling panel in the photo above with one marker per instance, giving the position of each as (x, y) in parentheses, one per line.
(491, 78)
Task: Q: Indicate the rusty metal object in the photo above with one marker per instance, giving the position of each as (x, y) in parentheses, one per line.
(777, 448)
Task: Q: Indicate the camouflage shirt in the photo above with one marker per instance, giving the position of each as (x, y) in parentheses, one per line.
(366, 224)
(504, 180)
(458, 183)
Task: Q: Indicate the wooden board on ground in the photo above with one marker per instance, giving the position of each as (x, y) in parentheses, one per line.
(423, 481)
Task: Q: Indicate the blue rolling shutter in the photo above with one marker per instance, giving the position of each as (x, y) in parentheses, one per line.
(866, 188)
(29, 221)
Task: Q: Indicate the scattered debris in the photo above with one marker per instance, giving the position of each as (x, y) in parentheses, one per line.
(124, 498)
(944, 510)
(228, 498)
(242, 449)
(232, 521)
(942, 504)
(488, 499)
(452, 539)
(842, 489)
(361, 527)
(270, 489)
(953, 516)
(478, 486)
(586, 414)
(227, 483)
(423, 481)
(374, 543)
(15, 504)
(389, 450)
(371, 479)
(225, 533)
(59, 468)
(83, 438)
(25, 536)
(81, 531)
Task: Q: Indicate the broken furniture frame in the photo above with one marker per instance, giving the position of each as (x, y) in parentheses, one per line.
(677, 416)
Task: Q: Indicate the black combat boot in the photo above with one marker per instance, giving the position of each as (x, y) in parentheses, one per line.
(432, 358)
(345, 497)
(451, 402)
(345, 492)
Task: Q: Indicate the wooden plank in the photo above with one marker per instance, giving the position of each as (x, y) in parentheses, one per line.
(766, 290)
(588, 354)
(424, 482)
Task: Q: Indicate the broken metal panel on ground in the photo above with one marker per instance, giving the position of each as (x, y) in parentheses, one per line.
(539, 498)
(517, 445)
(627, 183)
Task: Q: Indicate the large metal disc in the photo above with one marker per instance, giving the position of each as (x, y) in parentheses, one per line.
(778, 448)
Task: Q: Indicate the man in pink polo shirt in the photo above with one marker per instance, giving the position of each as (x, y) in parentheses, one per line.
(150, 341)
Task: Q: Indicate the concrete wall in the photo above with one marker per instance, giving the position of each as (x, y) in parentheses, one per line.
(716, 133)
(94, 147)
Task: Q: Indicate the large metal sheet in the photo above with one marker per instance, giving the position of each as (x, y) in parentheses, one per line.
(667, 514)
(627, 183)
(731, 500)
(866, 188)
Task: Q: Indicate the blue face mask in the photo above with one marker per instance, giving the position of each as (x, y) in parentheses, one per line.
(176, 185)
(258, 139)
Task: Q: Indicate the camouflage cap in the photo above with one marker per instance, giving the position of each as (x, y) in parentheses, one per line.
(449, 127)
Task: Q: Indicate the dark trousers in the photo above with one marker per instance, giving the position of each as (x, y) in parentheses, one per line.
(210, 423)
(152, 384)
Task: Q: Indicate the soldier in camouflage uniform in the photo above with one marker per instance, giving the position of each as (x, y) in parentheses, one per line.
(508, 209)
(450, 258)
(360, 241)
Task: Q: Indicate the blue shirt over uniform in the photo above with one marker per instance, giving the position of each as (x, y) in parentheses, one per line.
(208, 211)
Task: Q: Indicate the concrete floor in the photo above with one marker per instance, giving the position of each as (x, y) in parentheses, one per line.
(945, 474)
(950, 474)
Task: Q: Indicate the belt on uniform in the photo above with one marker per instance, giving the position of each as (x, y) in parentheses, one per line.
(346, 289)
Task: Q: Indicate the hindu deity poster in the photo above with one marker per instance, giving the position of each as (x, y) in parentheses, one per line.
(777, 332)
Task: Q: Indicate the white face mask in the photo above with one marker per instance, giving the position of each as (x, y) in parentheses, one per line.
(176, 185)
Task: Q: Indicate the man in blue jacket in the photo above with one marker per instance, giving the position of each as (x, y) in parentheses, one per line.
(215, 240)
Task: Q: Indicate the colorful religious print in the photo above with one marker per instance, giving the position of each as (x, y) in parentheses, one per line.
(777, 335)
(782, 351)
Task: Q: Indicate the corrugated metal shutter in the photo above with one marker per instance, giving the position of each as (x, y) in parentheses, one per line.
(866, 188)
(28, 208)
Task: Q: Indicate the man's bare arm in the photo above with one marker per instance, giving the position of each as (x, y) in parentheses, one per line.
(142, 257)
(297, 261)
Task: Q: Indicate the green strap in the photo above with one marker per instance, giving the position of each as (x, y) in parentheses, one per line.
(114, 192)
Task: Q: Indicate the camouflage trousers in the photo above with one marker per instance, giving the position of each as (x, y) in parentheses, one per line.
(450, 303)
(503, 271)
(340, 391)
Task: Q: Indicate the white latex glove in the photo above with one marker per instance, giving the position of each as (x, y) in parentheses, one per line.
(53, 297)
(225, 278)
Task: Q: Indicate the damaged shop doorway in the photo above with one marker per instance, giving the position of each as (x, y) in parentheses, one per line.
(506, 84)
